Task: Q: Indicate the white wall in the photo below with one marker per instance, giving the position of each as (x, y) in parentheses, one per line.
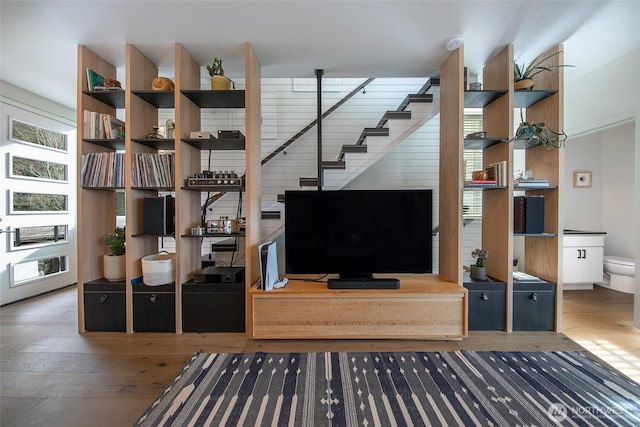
(607, 97)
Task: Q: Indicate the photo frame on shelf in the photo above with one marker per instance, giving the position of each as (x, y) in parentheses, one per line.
(581, 179)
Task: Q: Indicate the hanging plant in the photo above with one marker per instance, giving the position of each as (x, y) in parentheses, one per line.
(539, 134)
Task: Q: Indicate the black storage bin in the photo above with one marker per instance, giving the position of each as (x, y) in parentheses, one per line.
(213, 307)
(104, 306)
(154, 308)
(533, 305)
(486, 304)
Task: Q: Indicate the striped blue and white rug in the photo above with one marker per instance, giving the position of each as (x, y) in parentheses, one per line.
(461, 388)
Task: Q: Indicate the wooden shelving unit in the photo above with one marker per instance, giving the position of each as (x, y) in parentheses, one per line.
(96, 207)
(499, 102)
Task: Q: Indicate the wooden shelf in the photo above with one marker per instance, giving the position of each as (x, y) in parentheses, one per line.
(481, 98)
(526, 98)
(157, 98)
(481, 143)
(113, 98)
(235, 234)
(216, 98)
(215, 144)
(115, 144)
(158, 144)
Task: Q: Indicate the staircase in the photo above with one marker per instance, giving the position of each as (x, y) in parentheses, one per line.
(375, 142)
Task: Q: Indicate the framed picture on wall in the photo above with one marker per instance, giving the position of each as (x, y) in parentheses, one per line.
(582, 178)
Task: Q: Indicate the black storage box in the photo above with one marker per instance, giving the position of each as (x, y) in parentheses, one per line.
(104, 306)
(154, 308)
(533, 305)
(486, 304)
(213, 307)
(528, 214)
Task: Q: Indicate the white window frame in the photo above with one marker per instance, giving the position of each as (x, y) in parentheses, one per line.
(14, 212)
(11, 240)
(34, 178)
(14, 284)
(31, 144)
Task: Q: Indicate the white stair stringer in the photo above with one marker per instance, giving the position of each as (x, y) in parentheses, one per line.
(379, 146)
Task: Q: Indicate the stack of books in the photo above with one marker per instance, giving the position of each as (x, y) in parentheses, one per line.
(532, 183)
(102, 126)
(152, 170)
(103, 170)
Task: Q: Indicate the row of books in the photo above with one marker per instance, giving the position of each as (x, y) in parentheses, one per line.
(152, 170)
(103, 170)
(495, 174)
(102, 126)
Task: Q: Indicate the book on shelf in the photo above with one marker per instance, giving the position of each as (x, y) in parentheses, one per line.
(94, 79)
(481, 182)
(152, 170)
(498, 172)
(532, 183)
(102, 126)
(102, 170)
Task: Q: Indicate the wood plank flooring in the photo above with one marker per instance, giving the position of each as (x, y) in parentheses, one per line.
(52, 376)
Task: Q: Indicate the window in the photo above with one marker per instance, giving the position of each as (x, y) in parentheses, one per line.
(31, 270)
(30, 203)
(31, 134)
(472, 200)
(39, 236)
(21, 167)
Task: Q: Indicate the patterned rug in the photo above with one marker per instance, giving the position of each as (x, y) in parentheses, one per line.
(461, 388)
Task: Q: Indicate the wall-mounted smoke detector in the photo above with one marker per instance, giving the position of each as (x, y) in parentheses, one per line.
(454, 42)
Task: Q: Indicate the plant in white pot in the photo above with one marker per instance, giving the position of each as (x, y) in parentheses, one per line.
(479, 270)
(218, 79)
(114, 261)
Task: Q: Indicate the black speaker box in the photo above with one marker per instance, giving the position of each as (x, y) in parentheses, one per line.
(219, 275)
(159, 217)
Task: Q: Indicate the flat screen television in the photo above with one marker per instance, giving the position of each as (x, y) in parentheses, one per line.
(358, 233)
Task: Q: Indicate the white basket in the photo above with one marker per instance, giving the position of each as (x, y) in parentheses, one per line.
(158, 269)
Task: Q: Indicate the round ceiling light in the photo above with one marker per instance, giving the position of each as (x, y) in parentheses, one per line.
(454, 42)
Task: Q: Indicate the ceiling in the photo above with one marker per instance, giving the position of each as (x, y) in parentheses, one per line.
(391, 38)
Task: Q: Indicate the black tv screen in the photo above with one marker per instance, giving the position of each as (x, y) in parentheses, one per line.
(357, 233)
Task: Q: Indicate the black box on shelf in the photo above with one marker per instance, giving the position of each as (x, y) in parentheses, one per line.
(159, 216)
(217, 307)
(104, 306)
(154, 308)
(528, 214)
(533, 305)
(486, 304)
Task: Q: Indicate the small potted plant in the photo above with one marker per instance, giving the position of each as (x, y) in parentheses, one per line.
(114, 261)
(523, 75)
(218, 80)
(479, 270)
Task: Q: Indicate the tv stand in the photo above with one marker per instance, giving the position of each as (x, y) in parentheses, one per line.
(363, 283)
(427, 306)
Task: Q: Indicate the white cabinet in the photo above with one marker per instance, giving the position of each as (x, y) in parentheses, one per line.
(582, 260)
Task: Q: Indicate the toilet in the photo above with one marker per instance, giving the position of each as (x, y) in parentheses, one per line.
(619, 274)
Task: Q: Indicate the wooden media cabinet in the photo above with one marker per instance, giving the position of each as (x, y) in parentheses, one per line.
(426, 306)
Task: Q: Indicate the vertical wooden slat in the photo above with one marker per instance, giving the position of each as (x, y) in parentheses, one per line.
(187, 162)
(140, 117)
(451, 174)
(253, 174)
(96, 216)
(497, 205)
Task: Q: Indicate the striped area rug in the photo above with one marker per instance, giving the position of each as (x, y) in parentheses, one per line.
(461, 388)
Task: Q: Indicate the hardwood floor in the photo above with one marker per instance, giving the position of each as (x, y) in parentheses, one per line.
(52, 376)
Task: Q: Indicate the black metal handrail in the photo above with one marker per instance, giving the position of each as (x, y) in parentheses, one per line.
(310, 126)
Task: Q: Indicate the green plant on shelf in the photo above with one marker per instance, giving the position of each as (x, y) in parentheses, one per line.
(116, 241)
(539, 134)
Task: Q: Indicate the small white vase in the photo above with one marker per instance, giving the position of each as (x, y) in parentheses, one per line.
(114, 267)
(478, 273)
